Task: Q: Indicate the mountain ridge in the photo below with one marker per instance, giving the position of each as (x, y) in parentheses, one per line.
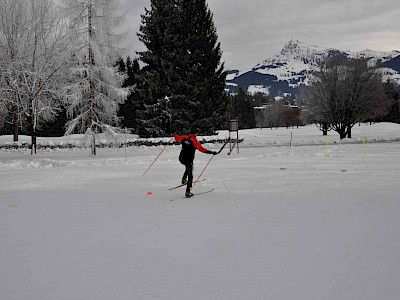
(289, 69)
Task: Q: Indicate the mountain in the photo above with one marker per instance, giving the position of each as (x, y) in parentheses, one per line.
(289, 69)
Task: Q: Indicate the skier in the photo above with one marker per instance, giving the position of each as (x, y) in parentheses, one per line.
(186, 156)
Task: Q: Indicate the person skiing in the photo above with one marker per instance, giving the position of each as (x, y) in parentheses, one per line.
(189, 145)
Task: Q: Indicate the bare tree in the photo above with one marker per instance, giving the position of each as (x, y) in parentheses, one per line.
(94, 92)
(274, 114)
(13, 28)
(32, 76)
(345, 92)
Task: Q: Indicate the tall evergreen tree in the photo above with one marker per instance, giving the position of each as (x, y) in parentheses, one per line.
(242, 108)
(182, 63)
(128, 109)
(394, 98)
(205, 72)
(156, 34)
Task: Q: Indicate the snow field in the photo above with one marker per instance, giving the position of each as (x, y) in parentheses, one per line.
(305, 222)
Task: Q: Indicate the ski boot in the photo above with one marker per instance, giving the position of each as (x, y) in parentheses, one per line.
(188, 194)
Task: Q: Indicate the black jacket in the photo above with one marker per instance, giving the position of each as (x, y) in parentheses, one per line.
(189, 146)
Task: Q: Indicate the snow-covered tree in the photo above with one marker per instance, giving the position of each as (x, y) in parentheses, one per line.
(13, 25)
(33, 35)
(95, 91)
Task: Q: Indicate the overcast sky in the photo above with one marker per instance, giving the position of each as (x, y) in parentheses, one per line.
(252, 30)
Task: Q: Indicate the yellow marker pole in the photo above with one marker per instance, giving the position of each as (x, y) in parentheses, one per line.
(364, 142)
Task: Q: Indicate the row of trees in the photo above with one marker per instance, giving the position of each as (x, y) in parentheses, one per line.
(60, 66)
(278, 114)
(269, 112)
(341, 93)
(264, 111)
(59, 60)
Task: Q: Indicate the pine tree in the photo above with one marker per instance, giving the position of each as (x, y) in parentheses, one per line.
(394, 97)
(95, 90)
(205, 74)
(156, 34)
(128, 109)
(183, 80)
(242, 108)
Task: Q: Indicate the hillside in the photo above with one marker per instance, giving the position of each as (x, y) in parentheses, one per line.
(287, 70)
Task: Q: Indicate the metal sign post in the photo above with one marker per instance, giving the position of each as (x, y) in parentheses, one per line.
(233, 127)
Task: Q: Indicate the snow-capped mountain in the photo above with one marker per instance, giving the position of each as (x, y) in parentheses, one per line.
(287, 70)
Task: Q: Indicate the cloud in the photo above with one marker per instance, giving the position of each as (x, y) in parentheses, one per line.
(251, 31)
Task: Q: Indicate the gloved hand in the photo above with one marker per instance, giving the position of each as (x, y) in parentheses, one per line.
(212, 152)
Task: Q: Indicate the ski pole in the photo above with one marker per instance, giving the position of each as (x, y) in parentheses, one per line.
(209, 162)
(203, 171)
(158, 155)
(226, 142)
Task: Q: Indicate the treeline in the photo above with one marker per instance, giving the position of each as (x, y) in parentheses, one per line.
(58, 67)
(60, 71)
(260, 110)
(342, 93)
(252, 110)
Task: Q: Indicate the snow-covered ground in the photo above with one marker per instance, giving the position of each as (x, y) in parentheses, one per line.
(313, 221)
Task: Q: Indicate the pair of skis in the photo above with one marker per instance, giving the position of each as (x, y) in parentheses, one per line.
(194, 194)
